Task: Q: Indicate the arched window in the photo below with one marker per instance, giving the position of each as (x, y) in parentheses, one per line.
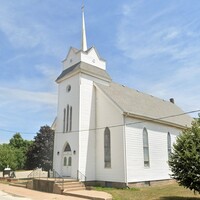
(107, 150)
(70, 161)
(146, 148)
(64, 120)
(169, 145)
(67, 127)
(67, 148)
(65, 161)
(70, 119)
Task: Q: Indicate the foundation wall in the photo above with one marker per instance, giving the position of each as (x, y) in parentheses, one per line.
(130, 185)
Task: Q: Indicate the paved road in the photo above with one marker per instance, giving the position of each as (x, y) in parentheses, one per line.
(5, 196)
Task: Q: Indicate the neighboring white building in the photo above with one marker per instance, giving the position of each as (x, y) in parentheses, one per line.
(107, 133)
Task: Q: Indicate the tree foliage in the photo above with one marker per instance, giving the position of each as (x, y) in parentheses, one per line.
(40, 153)
(21, 147)
(19, 143)
(9, 157)
(185, 159)
(14, 153)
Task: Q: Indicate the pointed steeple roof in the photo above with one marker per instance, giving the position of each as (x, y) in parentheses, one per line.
(84, 39)
(85, 54)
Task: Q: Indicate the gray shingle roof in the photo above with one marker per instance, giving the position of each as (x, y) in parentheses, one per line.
(144, 105)
(85, 68)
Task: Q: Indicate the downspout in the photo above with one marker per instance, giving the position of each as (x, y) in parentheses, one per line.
(125, 154)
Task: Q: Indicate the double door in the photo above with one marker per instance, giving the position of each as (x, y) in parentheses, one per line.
(67, 164)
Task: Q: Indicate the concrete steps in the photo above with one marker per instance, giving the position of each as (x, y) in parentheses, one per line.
(71, 185)
(77, 189)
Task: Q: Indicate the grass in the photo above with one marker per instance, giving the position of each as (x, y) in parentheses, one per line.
(164, 192)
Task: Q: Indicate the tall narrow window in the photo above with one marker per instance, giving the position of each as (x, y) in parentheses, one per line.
(169, 145)
(65, 161)
(64, 120)
(146, 148)
(107, 150)
(70, 161)
(70, 119)
(67, 120)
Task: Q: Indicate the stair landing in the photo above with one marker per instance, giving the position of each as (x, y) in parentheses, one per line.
(89, 194)
(77, 189)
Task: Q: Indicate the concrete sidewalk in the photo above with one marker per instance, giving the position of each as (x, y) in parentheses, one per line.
(90, 194)
(6, 196)
(19, 192)
(37, 195)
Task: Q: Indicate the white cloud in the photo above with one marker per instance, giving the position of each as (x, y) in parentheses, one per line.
(167, 45)
(25, 31)
(13, 95)
(156, 32)
(48, 71)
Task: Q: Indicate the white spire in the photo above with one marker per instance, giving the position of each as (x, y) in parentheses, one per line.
(84, 40)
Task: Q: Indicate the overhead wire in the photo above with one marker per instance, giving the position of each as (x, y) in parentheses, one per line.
(109, 126)
(132, 123)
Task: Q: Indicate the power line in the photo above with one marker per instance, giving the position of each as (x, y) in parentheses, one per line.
(132, 123)
(112, 126)
(11, 131)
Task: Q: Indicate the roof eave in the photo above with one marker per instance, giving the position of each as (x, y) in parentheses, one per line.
(149, 119)
(70, 74)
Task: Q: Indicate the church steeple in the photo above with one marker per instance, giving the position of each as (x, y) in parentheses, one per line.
(84, 40)
(88, 56)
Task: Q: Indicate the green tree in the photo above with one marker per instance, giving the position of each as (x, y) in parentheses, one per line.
(17, 141)
(8, 157)
(185, 159)
(21, 147)
(40, 153)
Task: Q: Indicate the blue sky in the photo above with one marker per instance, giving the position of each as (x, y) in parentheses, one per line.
(149, 45)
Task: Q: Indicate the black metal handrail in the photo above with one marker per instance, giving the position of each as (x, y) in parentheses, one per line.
(81, 176)
(51, 175)
(56, 176)
(36, 173)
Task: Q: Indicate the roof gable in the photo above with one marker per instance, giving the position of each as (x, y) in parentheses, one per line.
(138, 104)
(90, 56)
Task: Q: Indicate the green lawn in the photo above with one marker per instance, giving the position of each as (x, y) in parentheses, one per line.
(164, 192)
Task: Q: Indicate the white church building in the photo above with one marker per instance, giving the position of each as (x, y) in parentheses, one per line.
(107, 133)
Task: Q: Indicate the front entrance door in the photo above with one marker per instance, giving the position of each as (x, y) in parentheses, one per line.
(67, 161)
(67, 164)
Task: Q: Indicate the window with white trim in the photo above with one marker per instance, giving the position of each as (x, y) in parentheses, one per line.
(146, 148)
(64, 120)
(107, 149)
(70, 119)
(169, 145)
(70, 161)
(67, 148)
(67, 119)
(65, 161)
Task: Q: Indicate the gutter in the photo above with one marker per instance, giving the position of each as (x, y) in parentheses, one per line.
(149, 119)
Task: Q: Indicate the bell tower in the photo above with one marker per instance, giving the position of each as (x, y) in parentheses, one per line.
(76, 113)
